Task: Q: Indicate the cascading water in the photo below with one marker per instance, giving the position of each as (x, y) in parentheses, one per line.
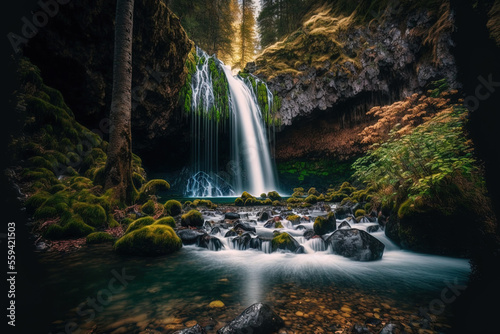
(248, 166)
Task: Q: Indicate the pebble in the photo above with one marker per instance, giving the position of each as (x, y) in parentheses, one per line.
(299, 314)
(216, 304)
(191, 323)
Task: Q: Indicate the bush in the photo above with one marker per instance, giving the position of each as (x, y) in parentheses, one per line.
(169, 221)
(323, 225)
(99, 238)
(192, 218)
(139, 223)
(149, 241)
(173, 207)
(149, 207)
(92, 214)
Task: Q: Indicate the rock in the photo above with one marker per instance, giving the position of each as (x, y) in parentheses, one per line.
(216, 304)
(344, 225)
(323, 225)
(196, 329)
(390, 328)
(209, 242)
(255, 243)
(264, 216)
(215, 230)
(300, 227)
(372, 228)
(207, 226)
(244, 226)
(356, 244)
(150, 240)
(343, 212)
(284, 241)
(242, 242)
(192, 218)
(257, 319)
(300, 250)
(270, 223)
(360, 329)
(308, 234)
(189, 237)
(230, 233)
(231, 215)
(373, 321)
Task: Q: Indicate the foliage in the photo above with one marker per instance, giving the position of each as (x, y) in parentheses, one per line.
(149, 241)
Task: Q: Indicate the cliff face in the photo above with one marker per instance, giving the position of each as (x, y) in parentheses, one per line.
(75, 54)
(337, 66)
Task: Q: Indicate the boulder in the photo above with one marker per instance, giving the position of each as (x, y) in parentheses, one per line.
(196, 329)
(325, 224)
(356, 244)
(300, 227)
(230, 233)
(284, 241)
(372, 228)
(344, 225)
(209, 242)
(244, 226)
(189, 237)
(270, 223)
(231, 215)
(308, 234)
(264, 216)
(242, 242)
(215, 230)
(257, 319)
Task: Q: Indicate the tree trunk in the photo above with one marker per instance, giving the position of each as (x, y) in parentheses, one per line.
(118, 170)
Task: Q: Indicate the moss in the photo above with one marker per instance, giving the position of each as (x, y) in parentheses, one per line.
(56, 188)
(149, 207)
(92, 214)
(245, 195)
(45, 212)
(36, 201)
(278, 225)
(99, 238)
(76, 228)
(170, 221)
(250, 201)
(323, 225)
(267, 201)
(238, 202)
(263, 195)
(112, 223)
(276, 203)
(305, 205)
(149, 241)
(173, 207)
(282, 241)
(139, 223)
(294, 200)
(273, 195)
(313, 191)
(192, 218)
(293, 218)
(54, 232)
(188, 204)
(126, 221)
(151, 188)
(360, 213)
(311, 199)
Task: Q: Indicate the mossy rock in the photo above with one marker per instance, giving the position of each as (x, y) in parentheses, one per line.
(151, 188)
(267, 201)
(92, 214)
(276, 203)
(284, 241)
(192, 218)
(294, 200)
(263, 195)
(311, 199)
(99, 238)
(139, 223)
(323, 225)
(273, 195)
(239, 202)
(251, 201)
(149, 207)
(278, 225)
(245, 195)
(294, 219)
(169, 221)
(76, 228)
(313, 191)
(149, 240)
(360, 213)
(126, 221)
(173, 207)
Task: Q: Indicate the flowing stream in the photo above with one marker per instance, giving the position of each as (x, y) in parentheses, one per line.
(317, 289)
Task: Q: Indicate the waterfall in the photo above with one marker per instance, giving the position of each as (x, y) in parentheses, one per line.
(228, 105)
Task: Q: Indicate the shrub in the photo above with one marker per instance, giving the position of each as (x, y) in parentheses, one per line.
(149, 241)
(139, 223)
(169, 221)
(173, 207)
(192, 218)
(99, 238)
(323, 225)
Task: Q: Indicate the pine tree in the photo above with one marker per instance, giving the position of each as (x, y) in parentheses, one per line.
(247, 41)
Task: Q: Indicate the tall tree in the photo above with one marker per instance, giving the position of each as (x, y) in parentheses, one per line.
(248, 42)
(118, 169)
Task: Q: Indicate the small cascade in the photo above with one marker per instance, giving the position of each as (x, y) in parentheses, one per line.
(266, 247)
(317, 244)
(225, 117)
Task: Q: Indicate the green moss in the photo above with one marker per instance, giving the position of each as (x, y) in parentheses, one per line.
(127, 221)
(54, 232)
(192, 218)
(99, 238)
(45, 212)
(311, 199)
(139, 223)
(170, 221)
(359, 213)
(267, 201)
(323, 225)
(149, 241)
(263, 195)
(282, 241)
(274, 196)
(293, 218)
(173, 207)
(276, 203)
(239, 202)
(36, 201)
(278, 225)
(76, 228)
(92, 214)
(294, 200)
(149, 207)
(151, 188)
(313, 191)
(245, 195)
(251, 201)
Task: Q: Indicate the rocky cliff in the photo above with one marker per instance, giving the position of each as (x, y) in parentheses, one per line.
(75, 54)
(338, 65)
